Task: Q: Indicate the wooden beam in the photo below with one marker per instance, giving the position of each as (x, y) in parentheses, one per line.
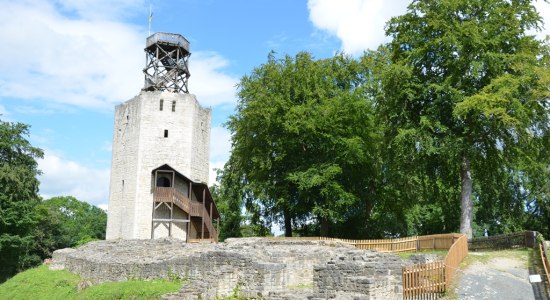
(168, 220)
(203, 210)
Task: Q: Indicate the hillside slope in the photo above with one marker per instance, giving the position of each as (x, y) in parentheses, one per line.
(42, 283)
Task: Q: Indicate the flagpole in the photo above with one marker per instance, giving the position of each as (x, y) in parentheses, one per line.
(150, 17)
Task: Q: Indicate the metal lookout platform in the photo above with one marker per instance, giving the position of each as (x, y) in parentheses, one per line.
(166, 63)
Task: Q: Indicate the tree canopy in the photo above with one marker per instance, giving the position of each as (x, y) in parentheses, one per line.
(444, 128)
(465, 96)
(78, 222)
(302, 139)
(18, 198)
(30, 229)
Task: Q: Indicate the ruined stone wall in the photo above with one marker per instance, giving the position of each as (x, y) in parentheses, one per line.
(258, 268)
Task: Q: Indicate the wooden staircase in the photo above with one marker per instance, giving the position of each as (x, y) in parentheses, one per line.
(192, 208)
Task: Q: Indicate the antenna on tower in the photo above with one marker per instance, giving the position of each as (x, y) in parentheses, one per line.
(150, 17)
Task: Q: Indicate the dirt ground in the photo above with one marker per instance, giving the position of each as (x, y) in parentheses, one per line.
(499, 275)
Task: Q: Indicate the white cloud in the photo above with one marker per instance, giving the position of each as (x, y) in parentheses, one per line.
(359, 24)
(4, 114)
(81, 53)
(61, 59)
(220, 143)
(63, 177)
(544, 10)
(208, 82)
(220, 148)
(213, 172)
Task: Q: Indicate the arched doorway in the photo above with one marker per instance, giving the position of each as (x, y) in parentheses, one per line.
(163, 182)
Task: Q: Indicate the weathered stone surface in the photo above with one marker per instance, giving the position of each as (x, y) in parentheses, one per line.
(424, 258)
(253, 267)
(140, 146)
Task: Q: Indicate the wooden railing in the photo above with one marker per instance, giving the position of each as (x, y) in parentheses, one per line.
(431, 280)
(171, 195)
(455, 255)
(197, 209)
(194, 209)
(420, 281)
(437, 241)
(504, 241)
(407, 244)
(424, 281)
(545, 262)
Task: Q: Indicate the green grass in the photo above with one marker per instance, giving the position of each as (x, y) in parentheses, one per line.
(407, 255)
(42, 283)
(521, 254)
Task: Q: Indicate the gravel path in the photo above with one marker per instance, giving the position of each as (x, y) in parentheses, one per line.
(501, 277)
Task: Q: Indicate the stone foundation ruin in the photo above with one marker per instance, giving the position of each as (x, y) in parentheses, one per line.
(258, 268)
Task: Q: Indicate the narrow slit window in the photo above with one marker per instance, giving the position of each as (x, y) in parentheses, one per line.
(165, 133)
(173, 106)
(161, 104)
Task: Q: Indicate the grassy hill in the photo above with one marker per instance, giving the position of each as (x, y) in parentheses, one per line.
(42, 283)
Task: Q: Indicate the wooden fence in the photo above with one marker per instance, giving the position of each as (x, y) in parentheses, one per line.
(545, 262)
(420, 281)
(431, 280)
(504, 241)
(407, 244)
(424, 281)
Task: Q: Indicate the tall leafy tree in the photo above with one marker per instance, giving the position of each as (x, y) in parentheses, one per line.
(303, 139)
(465, 101)
(18, 199)
(229, 200)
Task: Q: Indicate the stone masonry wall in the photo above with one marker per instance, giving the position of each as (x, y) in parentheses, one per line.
(258, 268)
(140, 145)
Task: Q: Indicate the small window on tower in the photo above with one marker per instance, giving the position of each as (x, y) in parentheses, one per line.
(173, 106)
(165, 133)
(161, 103)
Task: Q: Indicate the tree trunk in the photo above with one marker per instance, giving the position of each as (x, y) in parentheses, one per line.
(466, 205)
(324, 226)
(288, 222)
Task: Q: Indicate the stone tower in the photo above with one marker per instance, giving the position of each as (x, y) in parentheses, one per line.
(162, 126)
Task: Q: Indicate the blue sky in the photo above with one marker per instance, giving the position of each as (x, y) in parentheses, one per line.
(65, 64)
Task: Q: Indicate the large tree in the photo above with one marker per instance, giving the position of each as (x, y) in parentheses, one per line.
(465, 100)
(304, 140)
(18, 199)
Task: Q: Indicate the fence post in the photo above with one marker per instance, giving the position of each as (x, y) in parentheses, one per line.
(530, 239)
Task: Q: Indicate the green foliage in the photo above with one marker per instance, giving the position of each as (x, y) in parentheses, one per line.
(18, 199)
(228, 195)
(304, 140)
(74, 222)
(463, 81)
(30, 229)
(41, 283)
(446, 123)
